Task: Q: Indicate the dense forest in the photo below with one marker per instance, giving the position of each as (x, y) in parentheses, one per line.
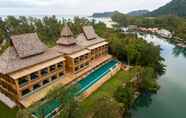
(177, 25)
(174, 8)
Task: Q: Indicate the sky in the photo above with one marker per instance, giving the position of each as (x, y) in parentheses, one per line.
(74, 7)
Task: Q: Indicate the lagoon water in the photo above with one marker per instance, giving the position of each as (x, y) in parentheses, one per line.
(170, 101)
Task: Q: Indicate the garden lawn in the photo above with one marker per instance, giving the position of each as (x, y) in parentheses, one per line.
(107, 90)
(5, 112)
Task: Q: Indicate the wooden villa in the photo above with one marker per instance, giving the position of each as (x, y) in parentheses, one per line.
(28, 69)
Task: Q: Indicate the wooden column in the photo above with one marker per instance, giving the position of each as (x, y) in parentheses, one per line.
(18, 89)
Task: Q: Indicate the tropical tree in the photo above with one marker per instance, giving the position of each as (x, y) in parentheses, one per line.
(48, 30)
(19, 25)
(23, 113)
(107, 108)
(125, 95)
(149, 82)
(2, 31)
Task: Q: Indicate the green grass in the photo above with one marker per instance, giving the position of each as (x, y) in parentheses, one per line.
(107, 90)
(5, 112)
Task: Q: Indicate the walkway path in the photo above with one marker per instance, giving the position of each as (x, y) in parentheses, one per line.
(7, 101)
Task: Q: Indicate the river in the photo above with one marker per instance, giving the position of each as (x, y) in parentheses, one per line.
(170, 101)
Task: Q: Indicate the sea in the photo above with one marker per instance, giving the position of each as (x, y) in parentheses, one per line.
(62, 17)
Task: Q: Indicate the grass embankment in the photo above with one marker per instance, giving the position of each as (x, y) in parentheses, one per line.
(5, 112)
(107, 90)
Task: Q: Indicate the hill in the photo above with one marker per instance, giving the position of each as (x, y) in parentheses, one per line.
(175, 8)
(138, 13)
(104, 14)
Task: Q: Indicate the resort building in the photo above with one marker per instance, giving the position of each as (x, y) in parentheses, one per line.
(77, 57)
(29, 70)
(27, 66)
(91, 41)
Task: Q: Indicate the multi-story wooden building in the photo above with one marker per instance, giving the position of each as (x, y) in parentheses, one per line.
(77, 57)
(28, 65)
(91, 41)
(28, 69)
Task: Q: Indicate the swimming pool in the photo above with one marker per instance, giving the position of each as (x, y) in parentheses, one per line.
(48, 108)
(96, 75)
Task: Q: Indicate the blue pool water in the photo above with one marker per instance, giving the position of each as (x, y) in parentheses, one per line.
(96, 75)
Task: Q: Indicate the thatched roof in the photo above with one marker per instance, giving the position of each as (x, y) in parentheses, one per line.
(28, 45)
(89, 32)
(82, 41)
(88, 37)
(67, 44)
(67, 38)
(10, 60)
(66, 31)
(27, 50)
(66, 41)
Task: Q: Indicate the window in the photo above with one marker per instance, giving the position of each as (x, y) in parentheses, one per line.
(60, 65)
(46, 81)
(82, 58)
(76, 68)
(82, 65)
(52, 68)
(76, 61)
(23, 81)
(36, 86)
(34, 76)
(86, 64)
(54, 77)
(86, 56)
(61, 74)
(26, 91)
(44, 72)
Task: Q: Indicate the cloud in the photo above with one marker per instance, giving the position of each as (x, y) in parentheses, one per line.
(76, 6)
(14, 4)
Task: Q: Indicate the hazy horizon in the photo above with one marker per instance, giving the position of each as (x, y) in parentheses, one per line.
(74, 7)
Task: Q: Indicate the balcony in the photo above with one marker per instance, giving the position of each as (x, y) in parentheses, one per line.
(61, 74)
(60, 65)
(23, 82)
(54, 77)
(36, 86)
(46, 81)
(34, 76)
(25, 92)
(53, 68)
(44, 72)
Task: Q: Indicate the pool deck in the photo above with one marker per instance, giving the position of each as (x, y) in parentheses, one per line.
(100, 82)
(68, 79)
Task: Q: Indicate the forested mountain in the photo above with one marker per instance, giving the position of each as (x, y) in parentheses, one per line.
(104, 14)
(175, 7)
(138, 13)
